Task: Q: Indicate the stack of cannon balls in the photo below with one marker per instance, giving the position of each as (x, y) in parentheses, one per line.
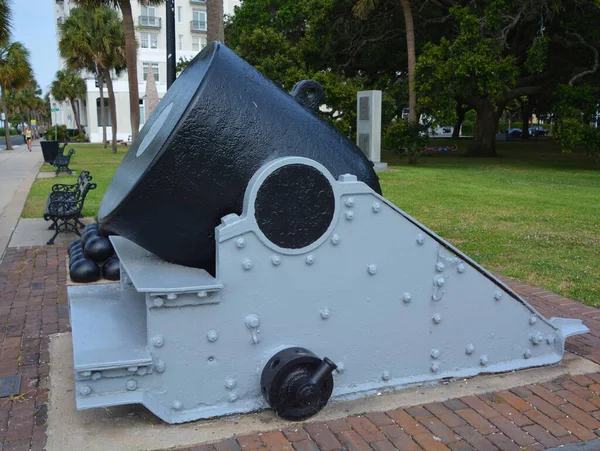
(92, 257)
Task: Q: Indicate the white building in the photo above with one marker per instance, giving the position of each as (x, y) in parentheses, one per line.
(190, 36)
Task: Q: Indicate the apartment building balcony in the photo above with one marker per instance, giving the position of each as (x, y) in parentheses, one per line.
(198, 2)
(198, 26)
(149, 22)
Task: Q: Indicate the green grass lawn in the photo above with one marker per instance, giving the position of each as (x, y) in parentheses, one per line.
(532, 214)
(101, 163)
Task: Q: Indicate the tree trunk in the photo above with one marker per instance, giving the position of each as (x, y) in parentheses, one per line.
(410, 47)
(460, 118)
(6, 126)
(486, 124)
(72, 100)
(214, 21)
(102, 112)
(22, 117)
(112, 107)
(526, 111)
(131, 57)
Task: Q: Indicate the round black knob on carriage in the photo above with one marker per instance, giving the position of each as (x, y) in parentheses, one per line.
(218, 123)
(296, 383)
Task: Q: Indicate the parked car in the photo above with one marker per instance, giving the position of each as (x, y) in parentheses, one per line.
(515, 132)
(538, 130)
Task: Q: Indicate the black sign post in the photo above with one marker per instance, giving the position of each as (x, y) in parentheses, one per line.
(171, 63)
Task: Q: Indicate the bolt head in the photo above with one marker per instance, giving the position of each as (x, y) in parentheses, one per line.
(310, 259)
(536, 338)
(386, 375)
(461, 268)
(230, 384)
(160, 366)
(142, 371)
(372, 269)
(435, 367)
(532, 320)
(252, 321)
(435, 353)
(159, 302)
(469, 349)
(247, 264)
(437, 318)
(212, 336)
(439, 267)
(439, 281)
(550, 339)
(131, 385)
(335, 239)
(276, 260)
(350, 202)
(96, 375)
(527, 354)
(325, 313)
(420, 238)
(177, 405)
(498, 295)
(350, 215)
(171, 297)
(158, 341)
(376, 207)
(406, 297)
(240, 242)
(233, 397)
(483, 360)
(340, 367)
(85, 390)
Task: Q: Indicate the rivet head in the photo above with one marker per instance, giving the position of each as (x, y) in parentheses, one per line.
(536, 338)
(439, 267)
(372, 269)
(132, 369)
(159, 302)
(498, 295)
(158, 341)
(532, 320)
(350, 215)
(461, 268)
(96, 375)
(469, 349)
(550, 339)
(160, 366)
(340, 367)
(325, 313)
(527, 354)
(406, 298)
(335, 239)
(276, 260)
(252, 321)
(85, 373)
(131, 385)
(233, 397)
(142, 371)
(247, 264)
(212, 336)
(376, 207)
(177, 404)
(230, 383)
(386, 375)
(85, 390)
(171, 296)
(240, 242)
(483, 360)
(420, 238)
(435, 367)
(435, 353)
(310, 259)
(437, 318)
(439, 281)
(350, 202)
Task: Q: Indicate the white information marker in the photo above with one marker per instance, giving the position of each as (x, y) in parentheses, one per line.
(368, 126)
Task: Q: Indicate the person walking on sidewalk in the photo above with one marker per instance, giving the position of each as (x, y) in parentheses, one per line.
(28, 137)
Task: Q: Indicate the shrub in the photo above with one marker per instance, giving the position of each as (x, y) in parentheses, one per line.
(403, 136)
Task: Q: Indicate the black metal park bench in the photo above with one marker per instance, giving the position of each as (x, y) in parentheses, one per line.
(61, 162)
(64, 205)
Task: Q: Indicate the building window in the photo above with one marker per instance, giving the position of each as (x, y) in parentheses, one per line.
(142, 112)
(149, 11)
(196, 43)
(199, 20)
(106, 113)
(179, 18)
(149, 40)
(180, 42)
(154, 69)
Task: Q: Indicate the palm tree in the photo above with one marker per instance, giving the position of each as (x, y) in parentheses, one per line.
(93, 39)
(130, 51)
(15, 72)
(214, 21)
(5, 17)
(69, 85)
(362, 9)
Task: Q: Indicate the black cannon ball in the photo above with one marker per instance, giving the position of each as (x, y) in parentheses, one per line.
(111, 269)
(85, 271)
(99, 249)
(75, 259)
(87, 236)
(75, 253)
(93, 226)
(73, 244)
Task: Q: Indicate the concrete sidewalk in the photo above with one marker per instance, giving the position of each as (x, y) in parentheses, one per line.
(18, 169)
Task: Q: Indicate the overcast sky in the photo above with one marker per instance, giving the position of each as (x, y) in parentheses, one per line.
(34, 25)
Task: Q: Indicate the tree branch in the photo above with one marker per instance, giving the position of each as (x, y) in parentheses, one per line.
(594, 67)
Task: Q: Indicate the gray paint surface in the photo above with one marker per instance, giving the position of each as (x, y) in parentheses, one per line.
(381, 295)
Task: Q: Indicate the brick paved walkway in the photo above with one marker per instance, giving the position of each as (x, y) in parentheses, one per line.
(33, 305)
